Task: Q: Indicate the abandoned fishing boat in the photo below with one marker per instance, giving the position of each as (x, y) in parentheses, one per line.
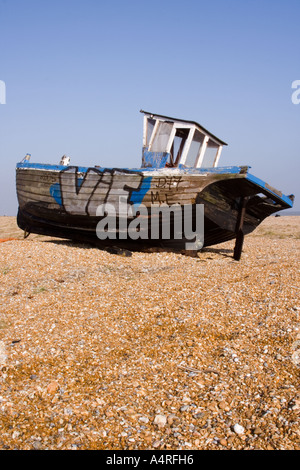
(179, 169)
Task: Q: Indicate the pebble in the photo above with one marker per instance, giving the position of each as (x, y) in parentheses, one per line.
(257, 431)
(184, 407)
(238, 429)
(156, 444)
(52, 388)
(160, 420)
(222, 405)
(144, 419)
(37, 445)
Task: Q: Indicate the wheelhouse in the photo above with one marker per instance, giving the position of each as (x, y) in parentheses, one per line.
(170, 142)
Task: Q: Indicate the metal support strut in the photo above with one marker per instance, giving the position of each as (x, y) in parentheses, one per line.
(239, 230)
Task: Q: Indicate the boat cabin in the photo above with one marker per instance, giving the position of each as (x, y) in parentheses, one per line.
(170, 142)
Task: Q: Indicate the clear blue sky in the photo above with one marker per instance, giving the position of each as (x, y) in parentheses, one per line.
(78, 72)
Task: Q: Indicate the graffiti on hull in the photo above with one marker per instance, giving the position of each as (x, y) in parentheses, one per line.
(80, 193)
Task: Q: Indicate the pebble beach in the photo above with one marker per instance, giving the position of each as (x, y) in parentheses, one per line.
(150, 350)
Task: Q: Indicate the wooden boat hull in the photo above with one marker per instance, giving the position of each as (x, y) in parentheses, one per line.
(62, 201)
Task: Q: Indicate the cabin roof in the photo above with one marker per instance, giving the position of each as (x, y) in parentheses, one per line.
(221, 142)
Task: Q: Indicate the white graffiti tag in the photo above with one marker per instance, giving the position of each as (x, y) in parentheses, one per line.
(81, 193)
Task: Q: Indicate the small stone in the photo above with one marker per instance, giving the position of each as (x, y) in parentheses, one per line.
(222, 405)
(296, 404)
(156, 444)
(223, 442)
(296, 357)
(171, 418)
(160, 420)
(211, 407)
(258, 431)
(52, 388)
(186, 399)
(184, 407)
(144, 419)
(238, 429)
(37, 445)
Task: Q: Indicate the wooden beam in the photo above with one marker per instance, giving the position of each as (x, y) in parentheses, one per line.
(217, 158)
(171, 139)
(145, 131)
(239, 230)
(187, 145)
(203, 147)
(155, 128)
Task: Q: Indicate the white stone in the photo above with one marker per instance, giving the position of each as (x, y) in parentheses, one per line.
(160, 420)
(144, 419)
(238, 429)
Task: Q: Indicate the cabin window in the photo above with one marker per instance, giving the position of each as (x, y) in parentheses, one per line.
(161, 137)
(178, 145)
(194, 150)
(210, 154)
(150, 127)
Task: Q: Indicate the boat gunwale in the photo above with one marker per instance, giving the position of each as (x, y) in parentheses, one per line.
(168, 171)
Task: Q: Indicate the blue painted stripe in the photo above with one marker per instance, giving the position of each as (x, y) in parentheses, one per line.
(217, 170)
(137, 196)
(55, 192)
(47, 166)
(263, 185)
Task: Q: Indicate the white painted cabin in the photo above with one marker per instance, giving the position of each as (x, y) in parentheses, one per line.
(171, 142)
